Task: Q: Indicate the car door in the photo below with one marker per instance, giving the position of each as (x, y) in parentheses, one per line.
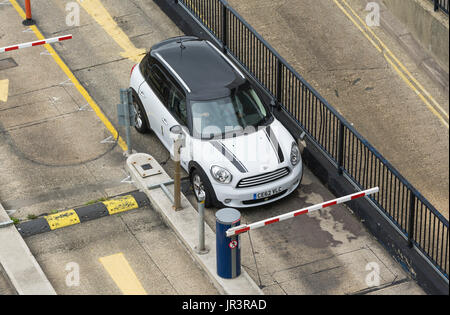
(177, 113)
(154, 94)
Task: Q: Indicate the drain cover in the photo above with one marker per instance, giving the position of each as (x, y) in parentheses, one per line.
(7, 63)
(147, 168)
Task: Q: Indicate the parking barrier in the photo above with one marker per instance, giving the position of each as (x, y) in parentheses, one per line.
(244, 228)
(35, 43)
(228, 248)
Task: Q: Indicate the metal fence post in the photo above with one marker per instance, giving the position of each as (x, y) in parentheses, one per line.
(129, 102)
(201, 248)
(340, 159)
(224, 27)
(279, 80)
(177, 179)
(412, 216)
(126, 115)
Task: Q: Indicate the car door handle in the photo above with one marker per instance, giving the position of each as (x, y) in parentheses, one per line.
(164, 121)
(142, 93)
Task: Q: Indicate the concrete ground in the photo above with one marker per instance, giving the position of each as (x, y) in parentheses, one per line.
(322, 253)
(160, 262)
(329, 51)
(50, 141)
(53, 157)
(5, 286)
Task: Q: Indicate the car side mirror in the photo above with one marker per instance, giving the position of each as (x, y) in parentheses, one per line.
(176, 134)
(176, 130)
(274, 105)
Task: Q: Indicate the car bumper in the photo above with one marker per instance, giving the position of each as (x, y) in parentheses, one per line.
(246, 197)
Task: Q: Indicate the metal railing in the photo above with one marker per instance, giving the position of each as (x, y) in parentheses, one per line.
(418, 221)
(442, 5)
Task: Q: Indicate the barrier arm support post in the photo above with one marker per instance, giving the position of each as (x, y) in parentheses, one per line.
(245, 228)
(201, 248)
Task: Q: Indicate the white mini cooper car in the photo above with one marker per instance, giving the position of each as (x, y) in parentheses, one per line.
(236, 153)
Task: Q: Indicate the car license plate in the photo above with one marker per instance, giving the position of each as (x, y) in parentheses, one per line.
(267, 194)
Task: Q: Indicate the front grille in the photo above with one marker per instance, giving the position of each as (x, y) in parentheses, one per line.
(263, 179)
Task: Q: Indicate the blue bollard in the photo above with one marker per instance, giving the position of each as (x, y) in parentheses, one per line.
(228, 249)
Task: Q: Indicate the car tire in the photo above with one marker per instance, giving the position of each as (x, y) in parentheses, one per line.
(141, 120)
(198, 177)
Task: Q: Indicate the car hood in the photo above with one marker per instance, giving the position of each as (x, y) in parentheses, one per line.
(258, 152)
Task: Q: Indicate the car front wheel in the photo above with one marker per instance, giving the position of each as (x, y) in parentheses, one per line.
(202, 188)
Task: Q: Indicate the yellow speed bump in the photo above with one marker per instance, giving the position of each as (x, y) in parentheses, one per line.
(62, 219)
(121, 204)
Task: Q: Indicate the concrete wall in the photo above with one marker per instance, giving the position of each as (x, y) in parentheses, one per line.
(430, 28)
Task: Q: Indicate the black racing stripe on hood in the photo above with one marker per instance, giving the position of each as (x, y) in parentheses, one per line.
(275, 144)
(230, 156)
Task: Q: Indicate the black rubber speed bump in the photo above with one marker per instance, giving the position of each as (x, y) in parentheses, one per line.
(70, 217)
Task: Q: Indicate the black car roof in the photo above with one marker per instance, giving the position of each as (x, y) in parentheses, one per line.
(205, 72)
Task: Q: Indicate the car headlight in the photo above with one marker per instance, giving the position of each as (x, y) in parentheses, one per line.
(221, 174)
(295, 154)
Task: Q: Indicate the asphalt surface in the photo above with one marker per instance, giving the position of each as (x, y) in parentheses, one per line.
(322, 253)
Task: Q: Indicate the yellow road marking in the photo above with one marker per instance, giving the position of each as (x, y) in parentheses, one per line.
(431, 108)
(393, 60)
(74, 80)
(123, 275)
(121, 204)
(388, 51)
(99, 13)
(4, 88)
(62, 219)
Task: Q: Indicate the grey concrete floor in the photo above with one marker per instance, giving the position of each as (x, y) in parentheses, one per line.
(323, 253)
(50, 141)
(5, 286)
(323, 45)
(161, 263)
(52, 158)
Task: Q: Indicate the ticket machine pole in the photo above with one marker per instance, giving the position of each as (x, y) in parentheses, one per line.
(178, 138)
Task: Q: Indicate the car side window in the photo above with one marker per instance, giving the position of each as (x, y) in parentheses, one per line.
(145, 66)
(177, 105)
(159, 83)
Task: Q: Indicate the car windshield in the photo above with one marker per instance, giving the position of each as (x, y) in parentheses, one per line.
(239, 111)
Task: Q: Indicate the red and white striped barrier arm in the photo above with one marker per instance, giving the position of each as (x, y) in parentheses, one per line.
(36, 43)
(247, 227)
